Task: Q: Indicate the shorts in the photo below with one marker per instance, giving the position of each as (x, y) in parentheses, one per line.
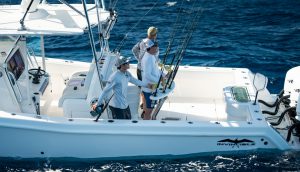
(149, 103)
(118, 113)
(139, 74)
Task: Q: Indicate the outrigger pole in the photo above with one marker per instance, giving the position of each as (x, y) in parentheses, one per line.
(92, 41)
(94, 48)
(25, 14)
(100, 30)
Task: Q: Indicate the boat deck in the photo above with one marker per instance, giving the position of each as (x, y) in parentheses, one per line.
(201, 89)
(198, 95)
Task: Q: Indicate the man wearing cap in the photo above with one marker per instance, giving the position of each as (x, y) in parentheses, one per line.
(139, 49)
(150, 74)
(118, 82)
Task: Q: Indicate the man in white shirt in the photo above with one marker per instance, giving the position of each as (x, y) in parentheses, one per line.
(139, 49)
(118, 83)
(150, 74)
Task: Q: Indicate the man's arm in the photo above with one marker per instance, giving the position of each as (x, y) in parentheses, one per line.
(136, 81)
(109, 86)
(136, 50)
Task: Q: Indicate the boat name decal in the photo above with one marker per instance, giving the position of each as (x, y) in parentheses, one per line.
(235, 142)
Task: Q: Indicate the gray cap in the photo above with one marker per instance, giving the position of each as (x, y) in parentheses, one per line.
(122, 60)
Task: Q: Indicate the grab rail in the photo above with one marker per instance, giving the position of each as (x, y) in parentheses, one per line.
(29, 58)
(30, 54)
(13, 83)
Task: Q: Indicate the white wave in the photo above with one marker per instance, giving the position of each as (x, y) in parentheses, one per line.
(169, 4)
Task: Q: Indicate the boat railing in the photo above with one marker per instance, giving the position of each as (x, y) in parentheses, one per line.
(14, 84)
(32, 58)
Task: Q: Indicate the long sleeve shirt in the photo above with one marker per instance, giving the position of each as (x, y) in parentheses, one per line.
(118, 83)
(139, 50)
(150, 71)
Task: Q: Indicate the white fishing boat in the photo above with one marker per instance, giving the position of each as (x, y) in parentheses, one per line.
(45, 102)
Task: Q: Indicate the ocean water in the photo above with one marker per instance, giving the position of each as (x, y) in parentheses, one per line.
(263, 36)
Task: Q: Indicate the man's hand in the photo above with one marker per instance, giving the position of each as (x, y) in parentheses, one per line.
(94, 106)
(168, 68)
(98, 108)
(160, 65)
(153, 87)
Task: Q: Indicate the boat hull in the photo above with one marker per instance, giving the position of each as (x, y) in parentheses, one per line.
(83, 138)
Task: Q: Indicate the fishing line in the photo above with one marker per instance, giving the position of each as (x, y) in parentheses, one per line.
(180, 51)
(182, 31)
(126, 35)
(171, 40)
(172, 34)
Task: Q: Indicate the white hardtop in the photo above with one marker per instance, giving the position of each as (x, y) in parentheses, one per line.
(48, 19)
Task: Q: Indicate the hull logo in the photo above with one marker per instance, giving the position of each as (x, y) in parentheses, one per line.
(235, 142)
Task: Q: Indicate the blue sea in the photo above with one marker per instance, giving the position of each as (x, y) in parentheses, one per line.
(262, 35)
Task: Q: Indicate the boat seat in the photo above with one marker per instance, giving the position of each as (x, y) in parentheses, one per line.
(80, 108)
(79, 105)
(81, 74)
(79, 84)
(77, 108)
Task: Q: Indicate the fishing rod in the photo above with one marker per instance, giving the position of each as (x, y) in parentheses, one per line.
(92, 42)
(176, 56)
(172, 35)
(180, 55)
(113, 4)
(161, 101)
(185, 44)
(102, 109)
(180, 51)
(171, 40)
(183, 30)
